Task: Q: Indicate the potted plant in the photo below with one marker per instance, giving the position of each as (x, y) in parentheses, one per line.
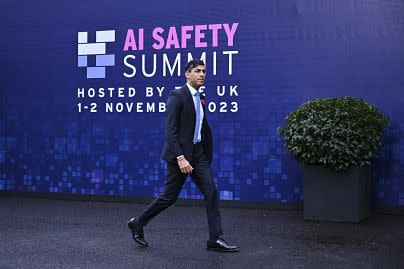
(335, 139)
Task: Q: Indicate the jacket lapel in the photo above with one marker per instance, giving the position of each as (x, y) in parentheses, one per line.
(189, 102)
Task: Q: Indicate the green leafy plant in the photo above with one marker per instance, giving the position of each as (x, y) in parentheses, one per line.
(334, 132)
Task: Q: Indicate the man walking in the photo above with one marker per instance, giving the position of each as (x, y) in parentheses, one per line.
(188, 152)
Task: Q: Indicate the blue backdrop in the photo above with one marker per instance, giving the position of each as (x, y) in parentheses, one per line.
(279, 54)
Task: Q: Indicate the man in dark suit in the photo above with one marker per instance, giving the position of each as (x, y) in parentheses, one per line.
(188, 152)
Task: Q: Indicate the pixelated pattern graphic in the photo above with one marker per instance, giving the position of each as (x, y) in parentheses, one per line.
(97, 49)
(289, 52)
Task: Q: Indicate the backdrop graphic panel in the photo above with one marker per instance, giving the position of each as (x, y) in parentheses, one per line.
(263, 60)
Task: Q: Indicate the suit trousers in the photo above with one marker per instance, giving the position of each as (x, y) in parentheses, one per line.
(203, 178)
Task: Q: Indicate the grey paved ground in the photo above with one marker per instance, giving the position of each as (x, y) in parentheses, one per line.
(41, 233)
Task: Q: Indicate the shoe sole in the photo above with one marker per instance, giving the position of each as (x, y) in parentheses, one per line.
(223, 250)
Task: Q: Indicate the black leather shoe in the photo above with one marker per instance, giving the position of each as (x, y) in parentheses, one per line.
(137, 232)
(221, 245)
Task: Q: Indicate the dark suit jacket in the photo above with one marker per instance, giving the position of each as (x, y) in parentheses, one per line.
(180, 121)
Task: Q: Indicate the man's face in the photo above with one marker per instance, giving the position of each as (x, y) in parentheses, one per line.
(196, 77)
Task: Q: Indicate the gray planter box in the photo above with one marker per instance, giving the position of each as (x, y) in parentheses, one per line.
(336, 196)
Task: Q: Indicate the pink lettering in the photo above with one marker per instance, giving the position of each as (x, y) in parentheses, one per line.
(160, 40)
(172, 39)
(199, 35)
(215, 29)
(185, 36)
(230, 33)
(130, 41)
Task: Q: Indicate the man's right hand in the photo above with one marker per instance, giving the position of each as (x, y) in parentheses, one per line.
(185, 167)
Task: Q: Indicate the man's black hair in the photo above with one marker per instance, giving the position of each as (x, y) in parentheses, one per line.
(192, 64)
